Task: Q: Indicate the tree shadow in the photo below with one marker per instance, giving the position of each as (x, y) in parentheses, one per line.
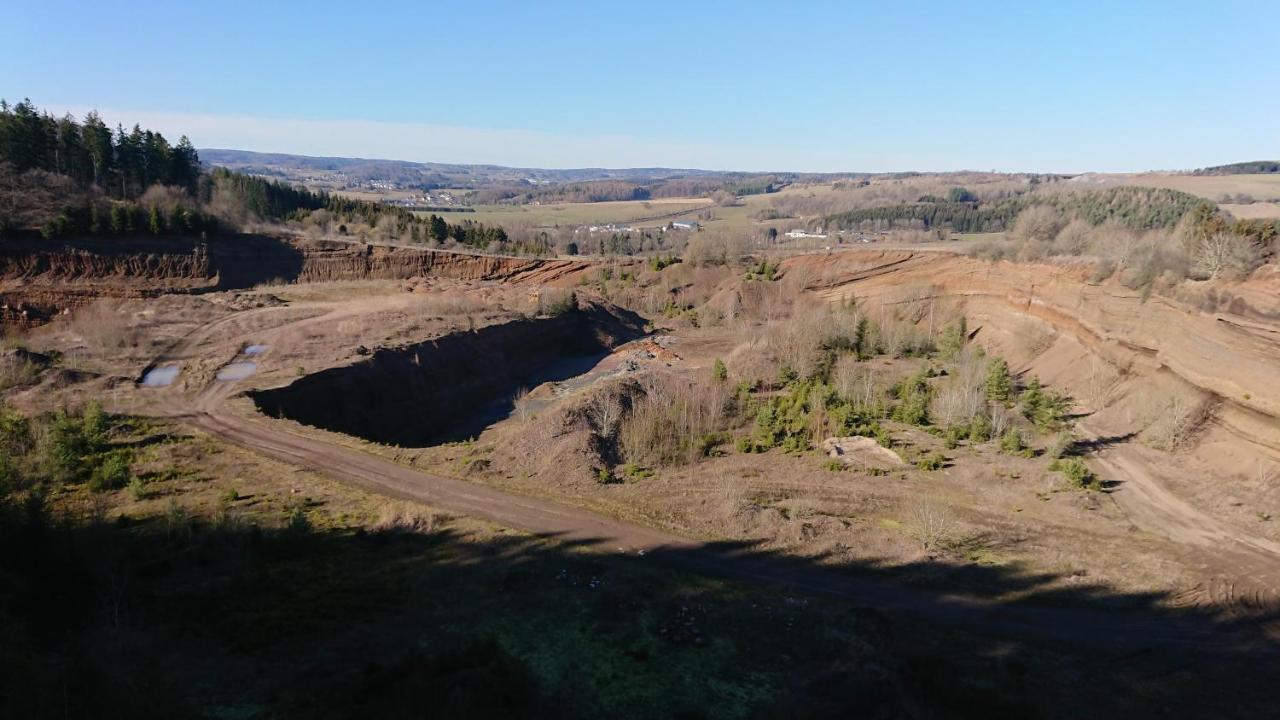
(1084, 447)
(174, 616)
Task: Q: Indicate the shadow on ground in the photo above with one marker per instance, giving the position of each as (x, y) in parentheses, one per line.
(176, 617)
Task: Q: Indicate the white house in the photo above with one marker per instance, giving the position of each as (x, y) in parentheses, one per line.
(798, 233)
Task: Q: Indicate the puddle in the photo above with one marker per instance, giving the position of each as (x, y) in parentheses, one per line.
(254, 349)
(161, 376)
(238, 370)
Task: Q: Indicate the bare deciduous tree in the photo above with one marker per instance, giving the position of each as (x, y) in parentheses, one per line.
(1223, 254)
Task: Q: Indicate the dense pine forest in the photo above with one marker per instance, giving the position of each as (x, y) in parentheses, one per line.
(62, 177)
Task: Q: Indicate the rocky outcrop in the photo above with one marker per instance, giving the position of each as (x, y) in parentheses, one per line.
(40, 278)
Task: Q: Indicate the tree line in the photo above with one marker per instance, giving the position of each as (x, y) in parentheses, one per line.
(280, 201)
(123, 163)
(1134, 207)
(63, 177)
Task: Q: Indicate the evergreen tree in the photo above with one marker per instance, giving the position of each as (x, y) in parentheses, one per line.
(439, 228)
(999, 384)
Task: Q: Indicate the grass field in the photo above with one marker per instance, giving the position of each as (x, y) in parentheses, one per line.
(579, 213)
(1213, 187)
(737, 218)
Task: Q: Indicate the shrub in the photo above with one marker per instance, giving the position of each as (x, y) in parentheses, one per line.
(111, 472)
(784, 420)
(1060, 445)
(673, 422)
(1011, 442)
(138, 488)
(605, 477)
(1048, 411)
(1182, 414)
(65, 449)
(931, 461)
(719, 372)
(1077, 472)
(835, 465)
(914, 393)
(980, 428)
(636, 472)
(558, 304)
(298, 521)
(954, 434)
(953, 339)
(883, 438)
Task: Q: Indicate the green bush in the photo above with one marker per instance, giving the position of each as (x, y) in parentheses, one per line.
(953, 435)
(138, 488)
(636, 472)
(953, 339)
(1048, 411)
(719, 372)
(111, 471)
(65, 449)
(931, 461)
(1077, 472)
(1011, 442)
(980, 429)
(883, 437)
(914, 394)
(835, 465)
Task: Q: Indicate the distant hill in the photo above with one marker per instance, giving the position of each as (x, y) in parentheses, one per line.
(418, 174)
(1242, 168)
(495, 183)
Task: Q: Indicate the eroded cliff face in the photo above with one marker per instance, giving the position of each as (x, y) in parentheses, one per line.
(39, 278)
(1223, 339)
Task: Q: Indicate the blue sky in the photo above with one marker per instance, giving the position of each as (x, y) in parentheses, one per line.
(1061, 86)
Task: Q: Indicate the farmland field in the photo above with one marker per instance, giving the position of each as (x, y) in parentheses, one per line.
(1265, 186)
(579, 213)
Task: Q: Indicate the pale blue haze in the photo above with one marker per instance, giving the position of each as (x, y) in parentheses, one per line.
(1063, 86)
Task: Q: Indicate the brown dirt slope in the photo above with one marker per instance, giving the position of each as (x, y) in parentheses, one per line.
(39, 279)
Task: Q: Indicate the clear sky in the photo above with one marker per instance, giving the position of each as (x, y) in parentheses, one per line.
(819, 86)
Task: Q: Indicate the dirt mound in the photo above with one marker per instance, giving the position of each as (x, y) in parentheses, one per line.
(861, 452)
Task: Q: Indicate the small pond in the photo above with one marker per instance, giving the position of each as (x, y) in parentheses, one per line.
(161, 375)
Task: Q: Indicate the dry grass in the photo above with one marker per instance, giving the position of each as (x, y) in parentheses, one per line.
(17, 370)
(406, 517)
(105, 326)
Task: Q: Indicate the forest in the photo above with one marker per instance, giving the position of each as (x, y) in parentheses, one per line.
(123, 163)
(1134, 207)
(62, 177)
(1242, 168)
